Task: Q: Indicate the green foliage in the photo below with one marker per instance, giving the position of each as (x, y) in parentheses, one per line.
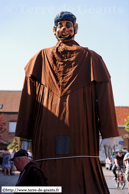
(127, 124)
(13, 144)
(126, 136)
(126, 128)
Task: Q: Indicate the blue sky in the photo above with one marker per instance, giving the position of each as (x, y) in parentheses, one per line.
(27, 27)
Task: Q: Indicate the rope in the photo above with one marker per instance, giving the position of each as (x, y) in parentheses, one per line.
(58, 158)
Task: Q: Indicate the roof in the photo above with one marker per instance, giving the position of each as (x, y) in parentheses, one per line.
(122, 112)
(10, 101)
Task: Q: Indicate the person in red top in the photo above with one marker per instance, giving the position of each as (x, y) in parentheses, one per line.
(118, 162)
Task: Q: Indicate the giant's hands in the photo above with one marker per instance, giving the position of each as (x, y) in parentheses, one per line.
(24, 144)
(109, 145)
(109, 142)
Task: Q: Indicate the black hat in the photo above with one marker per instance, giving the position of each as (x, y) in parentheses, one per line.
(65, 15)
(120, 151)
(20, 153)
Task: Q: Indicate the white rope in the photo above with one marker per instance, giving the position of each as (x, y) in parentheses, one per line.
(58, 158)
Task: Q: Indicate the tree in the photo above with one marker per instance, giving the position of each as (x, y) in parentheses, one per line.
(127, 129)
(2, 124)
(13, 144)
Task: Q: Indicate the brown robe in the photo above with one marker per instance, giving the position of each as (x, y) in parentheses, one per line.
(66, 101)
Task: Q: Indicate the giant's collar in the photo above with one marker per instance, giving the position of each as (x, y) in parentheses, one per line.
(67, 67)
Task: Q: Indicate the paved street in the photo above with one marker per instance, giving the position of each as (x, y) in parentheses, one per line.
(111, 183)
(8, 180)
(11, 181)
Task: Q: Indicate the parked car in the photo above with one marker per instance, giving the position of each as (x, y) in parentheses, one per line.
(109, 162)
(102, 157)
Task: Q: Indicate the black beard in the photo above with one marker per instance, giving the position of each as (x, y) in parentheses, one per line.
(69, 37)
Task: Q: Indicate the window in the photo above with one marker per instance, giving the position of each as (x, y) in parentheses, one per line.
(12, 127)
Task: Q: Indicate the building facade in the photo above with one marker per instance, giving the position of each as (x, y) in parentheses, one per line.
(9, 106)
(122, 112)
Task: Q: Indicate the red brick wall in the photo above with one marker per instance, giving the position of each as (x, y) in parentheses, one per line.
(122, 132)
(6, 136)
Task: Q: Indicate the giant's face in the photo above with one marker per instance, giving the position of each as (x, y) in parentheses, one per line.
(64, 29)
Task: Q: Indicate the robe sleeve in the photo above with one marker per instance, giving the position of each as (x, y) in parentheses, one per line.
(33, 69)
(24, 126)
(106, 110)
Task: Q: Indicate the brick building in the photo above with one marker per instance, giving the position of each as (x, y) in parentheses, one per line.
(9, 106)
(122, 112)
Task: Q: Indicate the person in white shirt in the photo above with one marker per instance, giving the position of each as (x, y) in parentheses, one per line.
(126, 160)
(12, 154)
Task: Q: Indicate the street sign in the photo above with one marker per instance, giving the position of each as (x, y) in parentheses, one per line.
(121, 142)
